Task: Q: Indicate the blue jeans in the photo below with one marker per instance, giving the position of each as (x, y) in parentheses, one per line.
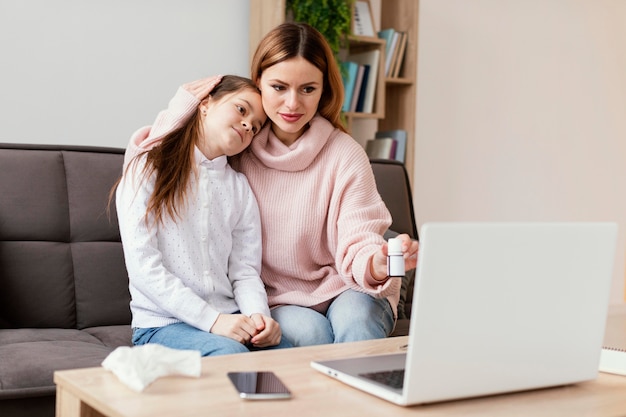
(186, 337)
(352, 316)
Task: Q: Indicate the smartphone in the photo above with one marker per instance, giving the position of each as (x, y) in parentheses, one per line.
(259, 386)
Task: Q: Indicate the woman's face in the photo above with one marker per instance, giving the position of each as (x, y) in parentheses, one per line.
(291, 91)
(230, 123)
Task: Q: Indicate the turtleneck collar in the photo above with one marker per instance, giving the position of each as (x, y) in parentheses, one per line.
(276, 155)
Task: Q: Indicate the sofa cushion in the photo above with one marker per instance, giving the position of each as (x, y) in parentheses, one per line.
(60, 249)
(37, 285)
(34, 196)
(112, 336)
(41, 352)
(90, 217)
(101, 283)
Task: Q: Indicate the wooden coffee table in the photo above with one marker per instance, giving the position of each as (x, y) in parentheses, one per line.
(93, 392)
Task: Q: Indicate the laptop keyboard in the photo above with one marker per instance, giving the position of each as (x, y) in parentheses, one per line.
(393, 379)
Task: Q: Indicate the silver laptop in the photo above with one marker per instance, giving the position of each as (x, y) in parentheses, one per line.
(497, 308)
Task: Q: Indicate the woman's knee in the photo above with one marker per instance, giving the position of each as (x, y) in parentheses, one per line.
(312, 335)
(303, 326)
(358, 316)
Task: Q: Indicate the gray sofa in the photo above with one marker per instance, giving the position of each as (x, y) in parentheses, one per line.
(64, 300)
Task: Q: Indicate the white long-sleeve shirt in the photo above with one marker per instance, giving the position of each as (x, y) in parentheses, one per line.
(205, 262)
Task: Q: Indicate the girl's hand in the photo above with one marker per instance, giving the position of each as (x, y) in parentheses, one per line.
(236, 326)
(201, 88)
(269, 331)
(378, 265)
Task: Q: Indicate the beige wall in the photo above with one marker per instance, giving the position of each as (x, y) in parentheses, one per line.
(521, 113)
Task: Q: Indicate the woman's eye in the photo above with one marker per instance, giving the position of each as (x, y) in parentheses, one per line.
(308, 90)
(278, 87)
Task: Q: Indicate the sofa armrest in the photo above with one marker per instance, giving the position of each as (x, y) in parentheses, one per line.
(393, 186)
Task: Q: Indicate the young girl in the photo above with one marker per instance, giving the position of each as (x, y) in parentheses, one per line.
(191, 231)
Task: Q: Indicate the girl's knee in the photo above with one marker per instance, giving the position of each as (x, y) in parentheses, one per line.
(222, 347)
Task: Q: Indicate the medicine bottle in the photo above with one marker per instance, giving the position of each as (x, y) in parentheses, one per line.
(395, 260)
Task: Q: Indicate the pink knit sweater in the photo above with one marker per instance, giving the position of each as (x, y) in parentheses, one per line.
(322, 217)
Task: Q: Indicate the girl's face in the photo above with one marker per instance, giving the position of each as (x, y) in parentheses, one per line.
(291, 92)
(230, 123)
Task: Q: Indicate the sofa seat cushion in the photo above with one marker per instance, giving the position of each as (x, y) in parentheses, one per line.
(112, 336)
(30, 357)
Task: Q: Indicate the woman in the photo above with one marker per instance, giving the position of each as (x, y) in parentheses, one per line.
(324, 258)
(190, 229)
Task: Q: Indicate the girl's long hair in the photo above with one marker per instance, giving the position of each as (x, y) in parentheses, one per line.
(172, 159)
(291, 40)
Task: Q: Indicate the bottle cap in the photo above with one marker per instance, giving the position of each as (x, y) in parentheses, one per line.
(394, 246)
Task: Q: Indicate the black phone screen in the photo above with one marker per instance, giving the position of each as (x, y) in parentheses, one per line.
(259, 385)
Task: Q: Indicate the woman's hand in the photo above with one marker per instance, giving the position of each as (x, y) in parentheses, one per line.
(378, 265)
(201, 88)
(236, 326)
(269, 331)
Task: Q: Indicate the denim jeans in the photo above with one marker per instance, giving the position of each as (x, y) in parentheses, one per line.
(352, 316)
(186, 337)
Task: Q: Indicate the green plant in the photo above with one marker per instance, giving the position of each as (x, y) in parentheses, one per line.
(331, 17)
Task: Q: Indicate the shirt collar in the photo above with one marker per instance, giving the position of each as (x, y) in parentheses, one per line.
(218, 163)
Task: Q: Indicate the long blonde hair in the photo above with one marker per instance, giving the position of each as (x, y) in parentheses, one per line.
(291, 40)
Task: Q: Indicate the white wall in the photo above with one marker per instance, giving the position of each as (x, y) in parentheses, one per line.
(521, 113)
(91, 72)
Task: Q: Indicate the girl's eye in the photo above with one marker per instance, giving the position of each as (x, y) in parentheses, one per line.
(241, 109)
(254, 130)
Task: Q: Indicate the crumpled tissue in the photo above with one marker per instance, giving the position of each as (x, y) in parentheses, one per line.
(138, 366)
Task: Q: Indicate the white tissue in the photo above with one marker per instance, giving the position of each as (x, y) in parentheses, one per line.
(139, 366)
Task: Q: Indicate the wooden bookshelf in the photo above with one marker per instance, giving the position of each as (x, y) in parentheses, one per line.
(359, 44)
(395, 103)
(401, 92)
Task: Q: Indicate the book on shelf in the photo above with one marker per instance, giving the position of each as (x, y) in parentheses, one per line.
(362, 22)
(357, 87)
(382, 148)
(394, 50)
(371, 58)
(393, 53)
(348, 75)
(399, 58)
(363, 91)
(400, 137)
(387, 35)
